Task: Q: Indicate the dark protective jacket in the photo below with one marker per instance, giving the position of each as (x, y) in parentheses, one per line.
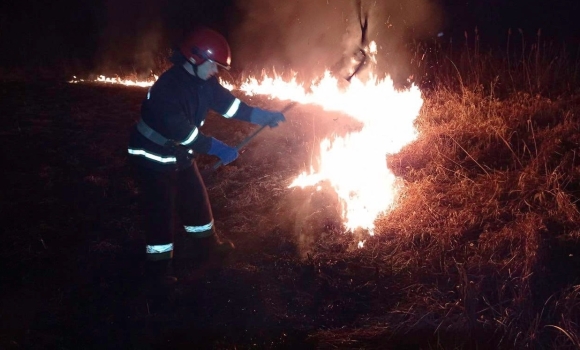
(176, 107)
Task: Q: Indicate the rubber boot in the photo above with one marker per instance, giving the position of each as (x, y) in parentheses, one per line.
(207, 248)
(220, 247)
(159, 274)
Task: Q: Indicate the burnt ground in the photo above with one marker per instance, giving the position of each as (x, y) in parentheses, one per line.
(72, 242)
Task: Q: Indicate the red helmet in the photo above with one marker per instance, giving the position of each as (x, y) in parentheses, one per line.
(205, 44)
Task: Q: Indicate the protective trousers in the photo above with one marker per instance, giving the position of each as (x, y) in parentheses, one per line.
(167, 196)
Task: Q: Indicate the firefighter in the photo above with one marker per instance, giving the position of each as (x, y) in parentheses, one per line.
(164, 141)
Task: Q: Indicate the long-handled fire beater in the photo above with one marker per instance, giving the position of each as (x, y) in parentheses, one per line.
(249, 138)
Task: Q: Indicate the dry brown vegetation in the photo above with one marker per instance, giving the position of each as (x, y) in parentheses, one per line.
(482, 250)
(489, 218)
(485, 238)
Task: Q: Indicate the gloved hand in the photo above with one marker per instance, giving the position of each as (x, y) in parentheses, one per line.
(263, 117)
(183, 154)
(224, 152)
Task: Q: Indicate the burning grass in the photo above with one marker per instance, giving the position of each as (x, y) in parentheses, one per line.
(481, 250)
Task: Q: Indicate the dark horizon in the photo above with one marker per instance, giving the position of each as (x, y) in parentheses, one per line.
(106, 33)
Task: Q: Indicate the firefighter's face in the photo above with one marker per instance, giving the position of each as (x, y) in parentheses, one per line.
(207, 70)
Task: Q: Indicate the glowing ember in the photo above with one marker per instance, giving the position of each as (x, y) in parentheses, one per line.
(355, 165)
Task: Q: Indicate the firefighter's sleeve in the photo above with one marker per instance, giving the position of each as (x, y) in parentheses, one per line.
(177, 127)
(226, 104)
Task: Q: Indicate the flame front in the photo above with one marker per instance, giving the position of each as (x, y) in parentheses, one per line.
(355, 165)
(117, 80)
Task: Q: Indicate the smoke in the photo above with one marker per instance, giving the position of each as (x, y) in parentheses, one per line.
(309, 36)
(131, 37)
(305, 36)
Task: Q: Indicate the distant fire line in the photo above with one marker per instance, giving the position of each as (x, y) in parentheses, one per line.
(116, 80)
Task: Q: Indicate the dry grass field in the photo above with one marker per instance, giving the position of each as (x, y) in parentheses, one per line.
(481, 252)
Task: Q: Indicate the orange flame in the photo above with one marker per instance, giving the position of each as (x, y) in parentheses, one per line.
(132, 82)
(355, 165)
(116, 80)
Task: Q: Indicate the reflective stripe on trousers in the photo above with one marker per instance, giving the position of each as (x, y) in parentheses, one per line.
(200, 231)
(159, 252)
(161, 248)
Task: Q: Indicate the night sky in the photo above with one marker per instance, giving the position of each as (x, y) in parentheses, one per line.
(294, 33)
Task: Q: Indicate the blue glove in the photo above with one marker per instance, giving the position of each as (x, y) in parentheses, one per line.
(263, 117)
(224, 152)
